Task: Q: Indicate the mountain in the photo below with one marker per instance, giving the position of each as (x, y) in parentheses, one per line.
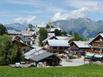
(16, 26)
(83, 26)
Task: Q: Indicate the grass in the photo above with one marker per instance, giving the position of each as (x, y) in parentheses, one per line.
(80, 71)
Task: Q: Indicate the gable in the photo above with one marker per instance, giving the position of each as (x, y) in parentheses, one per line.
(73, 45)
(98, 39)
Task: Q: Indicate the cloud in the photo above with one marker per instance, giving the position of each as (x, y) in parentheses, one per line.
(59, 16)
(82, 12)
(92, 5)
(25, 20)
(62, 9)
(81, 9)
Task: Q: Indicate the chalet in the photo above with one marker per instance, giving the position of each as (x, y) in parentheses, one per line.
(67, 38)
(97, 44)
(93, 48)
(79, 46)
(57, 46)
(49, 38)
(42, 56)
(21, 42)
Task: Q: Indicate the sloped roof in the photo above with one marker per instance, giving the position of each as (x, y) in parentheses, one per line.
(58, 38)
(54, 42)
(100, 34)
(48, 38)
(82, 44)
(37, 55)
(29, 53)
(41, 56)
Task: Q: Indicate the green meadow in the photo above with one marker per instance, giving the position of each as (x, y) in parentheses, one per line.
(80, 71)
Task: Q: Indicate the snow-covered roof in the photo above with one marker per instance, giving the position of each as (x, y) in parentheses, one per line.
(54, 42)
(82, 44)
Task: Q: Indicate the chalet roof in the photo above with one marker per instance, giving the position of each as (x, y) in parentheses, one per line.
(29, 53)
(82, 44)
(63, 43)
(44, 54)
(21, 39)
(48, 38)
(37, 55)
(100, 34)
(58, 38)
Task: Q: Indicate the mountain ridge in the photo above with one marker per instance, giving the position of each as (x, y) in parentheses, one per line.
(83, 26)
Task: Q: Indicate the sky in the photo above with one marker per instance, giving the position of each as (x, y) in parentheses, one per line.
(43, 11)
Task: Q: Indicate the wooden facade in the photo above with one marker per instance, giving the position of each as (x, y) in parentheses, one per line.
(57, 49)
(51, 61)
(74, 47)
(97, 45)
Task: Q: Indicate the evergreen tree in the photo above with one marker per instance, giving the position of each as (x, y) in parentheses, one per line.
(77, 37)
(49, 25)
(57, 32)
(42, 35)
(8, 50)
(3, 29)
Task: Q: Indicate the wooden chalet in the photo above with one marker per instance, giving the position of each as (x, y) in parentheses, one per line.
(21, 43)
(57, 46)
(97, 44)
(42, 56)
(80, 46)
(93, 48)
